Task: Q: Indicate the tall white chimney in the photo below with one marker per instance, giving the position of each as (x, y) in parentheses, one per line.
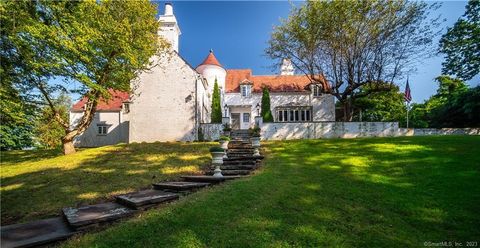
(287, 67)
(168, 9)
(169, 28)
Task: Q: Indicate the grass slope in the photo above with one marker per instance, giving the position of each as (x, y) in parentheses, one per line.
(378, 192)
(36, 184)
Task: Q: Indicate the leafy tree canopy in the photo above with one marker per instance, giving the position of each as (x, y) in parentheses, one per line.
(352, 43)
(461, 44)
(84, 47)
(385, 105)
(454, 105)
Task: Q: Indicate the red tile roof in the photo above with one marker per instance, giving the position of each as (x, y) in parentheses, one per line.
(113, 104)
(210, 60)
(275, 83)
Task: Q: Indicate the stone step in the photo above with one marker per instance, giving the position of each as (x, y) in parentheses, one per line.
(209, 179)
(179, 186)
(236, 155)
(237, 167)
(84, 217)
(145, 198)
(231, 172)
(240, 150)
(35, 233)
(243, 159)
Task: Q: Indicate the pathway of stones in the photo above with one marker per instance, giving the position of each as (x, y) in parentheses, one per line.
(240, 162)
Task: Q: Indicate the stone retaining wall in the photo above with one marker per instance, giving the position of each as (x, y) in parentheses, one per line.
(317, 130)
(437, 131)
(321, 130)
(211, 131)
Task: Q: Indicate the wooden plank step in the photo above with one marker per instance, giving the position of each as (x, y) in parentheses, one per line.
(145, 198)
(209, 179)
(35, 233)
(179, 186)
(84, 217)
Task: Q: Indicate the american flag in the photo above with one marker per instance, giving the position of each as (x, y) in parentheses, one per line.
(407, 96)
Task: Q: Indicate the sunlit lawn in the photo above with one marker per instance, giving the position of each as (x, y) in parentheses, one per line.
(36, 184)
(381, 192)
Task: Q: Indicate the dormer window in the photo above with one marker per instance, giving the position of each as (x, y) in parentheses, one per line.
(316, 90)
(246, 90)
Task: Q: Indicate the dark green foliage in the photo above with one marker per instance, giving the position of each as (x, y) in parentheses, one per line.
(380, 105)
(15, 118)
(266, 111)
(216, 108)
(48, 131)
(461, 110)
(226, 127)
(15, 137)
(454, 105)
(461, 44)
(216, 149)
(224, 138)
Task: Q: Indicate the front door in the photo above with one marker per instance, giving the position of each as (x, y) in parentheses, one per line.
(235, 120)
(245, 121)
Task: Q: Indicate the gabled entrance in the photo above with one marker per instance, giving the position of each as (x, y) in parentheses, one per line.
(240, 116)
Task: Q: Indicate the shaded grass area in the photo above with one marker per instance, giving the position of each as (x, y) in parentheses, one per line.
(37, 184)
(377, 192)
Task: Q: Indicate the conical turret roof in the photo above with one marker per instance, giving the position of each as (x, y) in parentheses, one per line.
(210, 60)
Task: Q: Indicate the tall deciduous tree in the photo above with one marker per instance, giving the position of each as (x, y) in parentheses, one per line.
(216, 107)
(461, 44)
(353, 43)
(266, 111)
(83, 47)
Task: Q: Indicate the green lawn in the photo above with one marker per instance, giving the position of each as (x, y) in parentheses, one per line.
(37, 184)
(381, 192)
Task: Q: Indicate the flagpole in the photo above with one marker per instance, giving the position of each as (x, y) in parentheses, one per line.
(408, 109)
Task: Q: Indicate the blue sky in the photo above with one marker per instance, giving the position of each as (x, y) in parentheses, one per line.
(238, 33)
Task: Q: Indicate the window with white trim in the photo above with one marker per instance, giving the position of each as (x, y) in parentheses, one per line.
(102, 129)
(293, 114)
(317, 90)
(246, 117)
(246, 90)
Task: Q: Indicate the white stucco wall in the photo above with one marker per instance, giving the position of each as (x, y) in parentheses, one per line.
(437, 131)
(323, 107)
(117, 131)
(163, 103)
(317, 130)
(211, 131)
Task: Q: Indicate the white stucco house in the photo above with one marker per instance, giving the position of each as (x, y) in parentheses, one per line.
(171, 101)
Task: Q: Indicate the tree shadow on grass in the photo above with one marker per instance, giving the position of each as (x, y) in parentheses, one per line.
(91, 176)
(342, 193)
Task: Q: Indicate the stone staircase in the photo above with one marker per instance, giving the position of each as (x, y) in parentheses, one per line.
(240, 163)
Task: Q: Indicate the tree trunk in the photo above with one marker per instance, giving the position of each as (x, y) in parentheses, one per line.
(68, 147)
(347, 111)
